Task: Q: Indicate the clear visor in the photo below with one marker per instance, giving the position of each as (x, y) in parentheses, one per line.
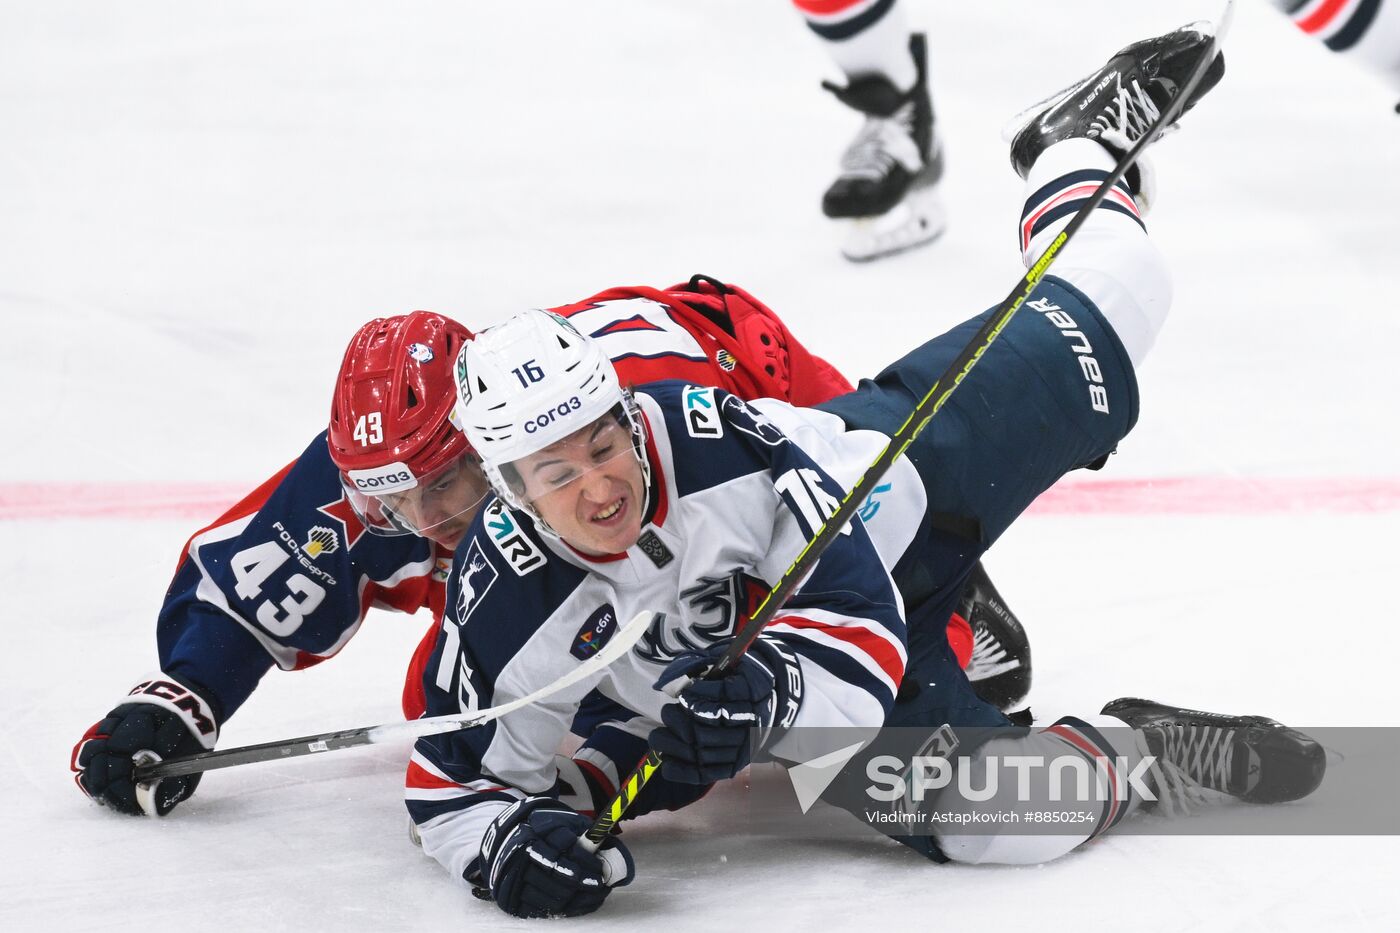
(440, 507)
(589, 454)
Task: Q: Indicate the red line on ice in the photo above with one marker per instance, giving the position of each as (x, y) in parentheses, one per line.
(1187, 495)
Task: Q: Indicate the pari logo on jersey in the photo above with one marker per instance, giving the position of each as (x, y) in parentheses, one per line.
(518, 550)
(478, 575)
(596, 632)
(320, 540)
(702, 417)
(1093, 374)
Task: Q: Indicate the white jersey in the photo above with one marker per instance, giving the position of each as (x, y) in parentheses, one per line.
(736, 492)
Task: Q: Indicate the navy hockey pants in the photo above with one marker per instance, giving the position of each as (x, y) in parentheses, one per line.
(1055, 392)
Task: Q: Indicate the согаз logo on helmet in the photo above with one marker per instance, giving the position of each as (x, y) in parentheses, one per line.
(545, 420)
(375, 482)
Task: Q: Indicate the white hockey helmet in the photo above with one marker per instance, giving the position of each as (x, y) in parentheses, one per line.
(532, 381)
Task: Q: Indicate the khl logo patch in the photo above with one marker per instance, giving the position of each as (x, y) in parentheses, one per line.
(654, 548)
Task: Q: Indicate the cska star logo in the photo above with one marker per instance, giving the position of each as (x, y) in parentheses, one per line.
(341, 511)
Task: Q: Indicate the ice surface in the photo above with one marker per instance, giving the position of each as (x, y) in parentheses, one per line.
(200, 203)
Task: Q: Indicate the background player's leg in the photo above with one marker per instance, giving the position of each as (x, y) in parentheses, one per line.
(885, 191)
(1364, 31)
(866, 38)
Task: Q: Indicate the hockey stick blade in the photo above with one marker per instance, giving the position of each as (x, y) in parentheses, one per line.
(621, 642)
(923, 412)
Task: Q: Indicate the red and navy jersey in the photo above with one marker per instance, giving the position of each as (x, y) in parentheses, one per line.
(295, 570)
(704, 333)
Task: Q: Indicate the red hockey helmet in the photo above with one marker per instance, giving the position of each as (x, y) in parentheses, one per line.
(405, 467)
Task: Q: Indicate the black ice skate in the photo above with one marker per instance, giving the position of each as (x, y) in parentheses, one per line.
(889, 172)
(1248, 757)
(1116, 104)
(1000, 668)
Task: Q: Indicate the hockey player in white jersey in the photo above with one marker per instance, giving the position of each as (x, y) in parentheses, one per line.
(682, 499)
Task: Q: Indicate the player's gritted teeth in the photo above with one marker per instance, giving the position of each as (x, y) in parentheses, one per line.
(608, 528)
(608, 513)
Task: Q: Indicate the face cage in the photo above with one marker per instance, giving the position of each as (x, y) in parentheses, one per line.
(636, 427)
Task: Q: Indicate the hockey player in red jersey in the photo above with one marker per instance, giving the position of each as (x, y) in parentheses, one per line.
(370, 513)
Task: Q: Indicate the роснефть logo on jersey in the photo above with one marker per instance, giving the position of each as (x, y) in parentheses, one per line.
(320, 540)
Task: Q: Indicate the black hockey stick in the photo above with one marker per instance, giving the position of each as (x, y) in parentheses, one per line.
(928, 406)
(621, 642)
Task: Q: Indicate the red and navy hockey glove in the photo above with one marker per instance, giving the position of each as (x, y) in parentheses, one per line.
(711, 732)
(534, 866)
(162, 718)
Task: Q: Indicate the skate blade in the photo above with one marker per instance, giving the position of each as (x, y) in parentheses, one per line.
(920, 218)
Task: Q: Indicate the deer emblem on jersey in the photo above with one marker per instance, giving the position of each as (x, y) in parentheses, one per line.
(477, 577)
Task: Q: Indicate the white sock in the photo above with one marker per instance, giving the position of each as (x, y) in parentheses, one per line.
(1365, 32)
(1111, 259)
(879, 44)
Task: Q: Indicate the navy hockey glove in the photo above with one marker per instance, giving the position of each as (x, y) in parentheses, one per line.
(534, 865)
(708, 735)
(162, 718)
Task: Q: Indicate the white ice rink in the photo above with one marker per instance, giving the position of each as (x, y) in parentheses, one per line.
(200, 202)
